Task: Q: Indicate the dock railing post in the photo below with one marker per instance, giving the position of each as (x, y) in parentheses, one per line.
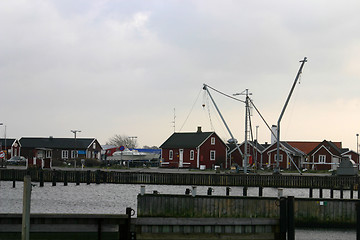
(25, 229)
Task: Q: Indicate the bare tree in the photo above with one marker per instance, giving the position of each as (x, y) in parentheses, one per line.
(122, 140)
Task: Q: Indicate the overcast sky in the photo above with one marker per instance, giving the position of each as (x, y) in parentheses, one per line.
(121, 67)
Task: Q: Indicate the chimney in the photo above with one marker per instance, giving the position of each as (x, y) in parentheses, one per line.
(274, 130)
(199, 129)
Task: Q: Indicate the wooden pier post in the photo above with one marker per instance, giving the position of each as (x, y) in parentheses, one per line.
(341, 192)
(260, 191)
(283, 218)
(41, 176)
(357, 205)
(13, 177)
(209, 191)
(77, 178)
(245, 191)
(331, 193)
(291, 218)
(97, 177)
(25, 228)
(320, 193)
(228, 190)
(88, 177)
(54, 177)
(65, 178)
(351, 191)
(310, 192)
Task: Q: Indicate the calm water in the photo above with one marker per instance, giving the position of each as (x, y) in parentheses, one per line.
(114, 198)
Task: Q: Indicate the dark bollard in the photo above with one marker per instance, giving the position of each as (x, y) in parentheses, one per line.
(351, 191)
(310, 192)
(358, 188)
(245, 191)
(291, 218)
(209, 191)
(88, 177)
(320, 193)
(283, 218)
(14, 183)
(41, 176)
(77, 178)
(65, 178)
(331, 193)
(54, 178)
(228, 190)
(341, 192)
(260, 191)
(187, 191)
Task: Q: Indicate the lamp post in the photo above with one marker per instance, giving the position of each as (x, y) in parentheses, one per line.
(75, 155)
(4, 159)
(357, 147)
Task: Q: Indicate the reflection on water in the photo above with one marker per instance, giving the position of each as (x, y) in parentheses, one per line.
(115, 198)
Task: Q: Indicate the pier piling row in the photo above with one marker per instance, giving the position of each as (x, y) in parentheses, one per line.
(228, 180)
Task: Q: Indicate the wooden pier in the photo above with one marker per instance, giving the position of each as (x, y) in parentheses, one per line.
(211, 179)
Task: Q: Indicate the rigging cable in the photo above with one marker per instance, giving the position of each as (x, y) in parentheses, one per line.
(190, 110)
(225, 94)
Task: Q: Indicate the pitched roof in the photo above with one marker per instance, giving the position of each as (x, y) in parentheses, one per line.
(305, 147)
(63, 143)
(332, 147)
(9, 142)
(186, 140)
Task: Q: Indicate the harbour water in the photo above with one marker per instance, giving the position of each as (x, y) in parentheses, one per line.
(115, 198)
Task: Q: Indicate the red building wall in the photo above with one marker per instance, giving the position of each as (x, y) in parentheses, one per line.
(315, 158)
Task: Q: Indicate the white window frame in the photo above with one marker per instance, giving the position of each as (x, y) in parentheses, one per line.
(64, 154)
(280, 156)
(212, 155)
(48, 154)
(322, 159)
(212, 140)
(171, 154)
(74, 154)
(192, 154)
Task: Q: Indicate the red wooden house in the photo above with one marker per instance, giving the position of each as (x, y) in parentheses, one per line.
(254, 151)
(326, 156)
(288, 155)
(193, 150)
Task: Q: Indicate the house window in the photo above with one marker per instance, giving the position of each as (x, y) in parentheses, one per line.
(213, 141)
(64, 154)
(74, 154)
(322, 158)
(192, 153)
(212, 155)
(171, 155)
(48, 154)
(280, 157)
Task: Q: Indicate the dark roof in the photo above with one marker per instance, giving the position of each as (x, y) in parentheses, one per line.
(186, 140)
(9, 142)
(330, 146)
(63, 143)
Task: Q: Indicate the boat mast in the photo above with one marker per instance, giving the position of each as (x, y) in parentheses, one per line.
(277, 168)
(247, 115)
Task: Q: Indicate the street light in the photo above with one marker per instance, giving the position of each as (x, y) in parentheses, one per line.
(5, 157)
(357, 147)
(74, 132)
